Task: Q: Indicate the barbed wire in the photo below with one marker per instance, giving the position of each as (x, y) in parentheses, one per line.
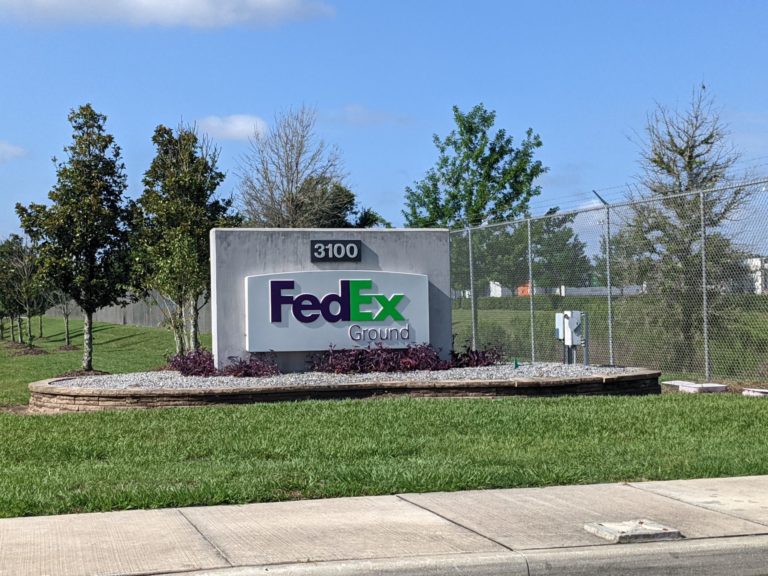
(575, 200)
(762, 181)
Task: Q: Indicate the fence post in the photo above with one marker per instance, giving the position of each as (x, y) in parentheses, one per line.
(608, 275)
(611, 360)
(704, 304)
(473, 311)
(530, 293)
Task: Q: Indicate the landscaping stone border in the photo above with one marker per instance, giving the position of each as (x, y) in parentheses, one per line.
(54, 396)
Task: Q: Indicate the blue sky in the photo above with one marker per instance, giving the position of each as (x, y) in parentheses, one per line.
(382, 75)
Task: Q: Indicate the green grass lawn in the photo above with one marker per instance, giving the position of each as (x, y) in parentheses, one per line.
(199, 456)
(117, 349)
(178, 457)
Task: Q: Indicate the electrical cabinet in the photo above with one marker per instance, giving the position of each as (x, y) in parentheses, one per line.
(568, 327)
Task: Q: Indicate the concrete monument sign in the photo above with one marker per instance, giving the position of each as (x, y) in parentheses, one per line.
(295, 292)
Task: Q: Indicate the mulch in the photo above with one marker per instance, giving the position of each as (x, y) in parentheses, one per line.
(13, 345)
(18, 349)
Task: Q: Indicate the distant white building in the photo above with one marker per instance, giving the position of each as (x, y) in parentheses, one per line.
(758, 268)
(497, 290)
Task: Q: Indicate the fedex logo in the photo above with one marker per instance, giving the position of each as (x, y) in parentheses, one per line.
(311, 310)
(345, 306)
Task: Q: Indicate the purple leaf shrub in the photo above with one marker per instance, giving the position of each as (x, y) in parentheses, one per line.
(195, 363)
(251, 368)
(414, 357)
(475, 358)
(200, 363)
(354, 361)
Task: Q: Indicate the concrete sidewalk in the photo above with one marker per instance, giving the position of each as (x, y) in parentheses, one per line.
(529, 531)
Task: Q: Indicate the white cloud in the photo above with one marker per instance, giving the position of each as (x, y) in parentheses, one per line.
(235, 127)
(194, 13)
(9, 151)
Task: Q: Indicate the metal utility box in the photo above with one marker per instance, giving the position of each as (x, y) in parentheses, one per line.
(568, 327)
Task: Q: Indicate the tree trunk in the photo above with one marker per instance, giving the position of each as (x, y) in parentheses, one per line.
(185, 323)
(30, 336)
(40, 326)
(177, 325)
(179, 340)
(20, 326)
(88, 342)
(13, 329)
(2, 327)
(67, 341)
(194, 330)
(194, 326)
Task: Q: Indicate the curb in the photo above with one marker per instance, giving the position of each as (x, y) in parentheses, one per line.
(54, 396)
(494, 564)
(743, 555)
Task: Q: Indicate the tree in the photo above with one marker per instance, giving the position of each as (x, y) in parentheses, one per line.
(25, 283)
(63, 303)
(83, 234)
(687, 166)
(290, 179)
(500, 254)
(172, 221)
(5, 295)
(479, 178)
(9, 304)
(559, 255)
(628, 267)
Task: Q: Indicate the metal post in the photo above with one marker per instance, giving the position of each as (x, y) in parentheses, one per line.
(473, 311)
(610, 285)
(530, 293)
(608, 275)
(585, 324)
(704, 306)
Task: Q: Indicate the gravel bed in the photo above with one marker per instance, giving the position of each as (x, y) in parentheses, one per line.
(168, 379)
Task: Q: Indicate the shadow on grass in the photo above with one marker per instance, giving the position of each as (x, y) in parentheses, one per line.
(113, 340)
(57, 335)
(75, 333)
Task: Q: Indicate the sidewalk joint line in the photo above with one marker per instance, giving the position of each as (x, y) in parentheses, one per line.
(468, 529)
(181, 571)
(729, 514)
(219, 551)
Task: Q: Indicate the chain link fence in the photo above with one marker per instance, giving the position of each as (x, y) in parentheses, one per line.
(677, 283)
